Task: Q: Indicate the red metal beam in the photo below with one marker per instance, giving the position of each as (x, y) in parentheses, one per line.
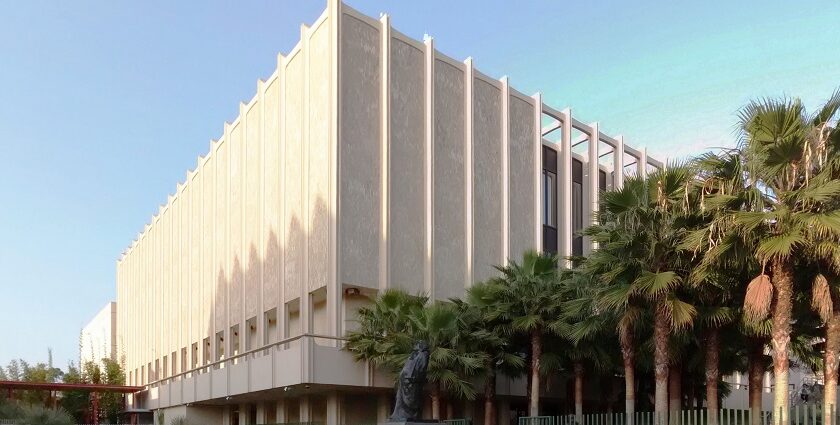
(50, 386)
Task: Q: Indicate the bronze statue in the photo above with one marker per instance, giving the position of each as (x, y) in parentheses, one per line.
(409, 400)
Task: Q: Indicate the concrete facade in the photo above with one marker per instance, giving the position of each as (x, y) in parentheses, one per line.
(98, 339)
(367, 160)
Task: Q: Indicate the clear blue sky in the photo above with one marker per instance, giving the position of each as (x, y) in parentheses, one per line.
(104, 105)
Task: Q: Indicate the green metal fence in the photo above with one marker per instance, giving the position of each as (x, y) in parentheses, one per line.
(811, 414)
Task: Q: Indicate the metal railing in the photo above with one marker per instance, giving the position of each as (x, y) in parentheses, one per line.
(464, 421)
(810, 414)
(244, 356)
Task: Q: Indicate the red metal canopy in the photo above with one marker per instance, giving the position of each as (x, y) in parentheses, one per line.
(50, 386)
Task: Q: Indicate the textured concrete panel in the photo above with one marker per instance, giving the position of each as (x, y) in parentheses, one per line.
(487, 179)
(448, 251)
(522, 163)
(252, 225)
(359, 153)
(319, 156)
(293, 183)
(271, 139)
(406, 202)
(220, 270)
(196, 251)
(208, 225)
(236, 200)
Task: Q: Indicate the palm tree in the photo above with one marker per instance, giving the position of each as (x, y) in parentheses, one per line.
(654, 214)
(584, 325)
(526, 297)
(724, 260)
(492, 337)
(384, 328)
(792, 157)
(389, 328)
(451, 362)
(612, 302)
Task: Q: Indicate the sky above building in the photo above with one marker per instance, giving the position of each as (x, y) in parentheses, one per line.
(105, 105)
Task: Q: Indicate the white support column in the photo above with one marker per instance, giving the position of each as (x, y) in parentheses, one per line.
(618, 163)
(261, 413)
(281, 129)
(468, 169)
(643, 162)
(304, 414)
(429, 165)
(261, 323)
(564, 189)
(594, 181)
(334, 413)
(243, 414)
(280, 415)
(305, 298)
(334, 289)
(385, 129)
(505, 170)
(538, 166)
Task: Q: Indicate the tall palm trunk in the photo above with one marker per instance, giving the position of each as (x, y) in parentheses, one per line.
(712, 373)
(435, 395)
(832, 350)
(536, 353)
(674, 392)
(755, 357)
(578, 368)
(490, 397)
(782, 308)
(628, 357)
(661, 327)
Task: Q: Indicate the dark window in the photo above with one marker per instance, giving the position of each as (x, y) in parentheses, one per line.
(577, 207)
(549, 199)
(549, 210)
(602, 180)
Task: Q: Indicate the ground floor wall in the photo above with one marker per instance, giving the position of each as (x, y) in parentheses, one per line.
(329, 408)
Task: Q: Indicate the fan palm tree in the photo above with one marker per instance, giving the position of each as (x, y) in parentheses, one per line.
(585, 326)
(389, 328)
(451, 361)
(724, 260)
(491, 336)
(654, 212)
(792, 157)
(526, 297)
(612, 301)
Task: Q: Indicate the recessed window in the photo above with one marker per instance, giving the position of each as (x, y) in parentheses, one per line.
(549, 186)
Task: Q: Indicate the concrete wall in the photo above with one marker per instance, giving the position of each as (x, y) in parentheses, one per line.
(487, 177)
(358, 152)
(99, 336)
(247, 231)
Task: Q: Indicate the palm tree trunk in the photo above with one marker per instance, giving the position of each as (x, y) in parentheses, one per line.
(832, 350)
(490, 397)
(756, 377)
(628, 357)
(435, 401)
(712, 373)
(536, 353)
(674, 392)
(661, 327)
(578, 368)
(782, 308)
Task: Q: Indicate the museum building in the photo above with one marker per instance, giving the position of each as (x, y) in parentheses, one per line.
(368, 160)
